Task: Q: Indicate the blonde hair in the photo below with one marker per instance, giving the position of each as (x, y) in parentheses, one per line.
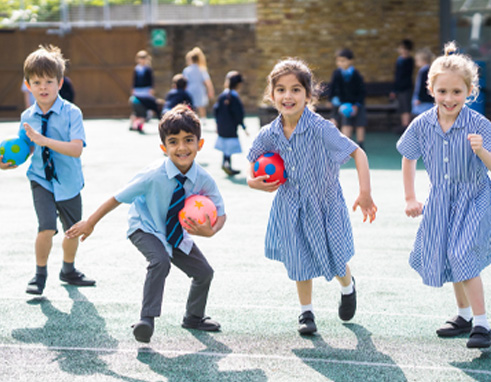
(457, 63)
(46, 61)
(197, 56)
(143, 54)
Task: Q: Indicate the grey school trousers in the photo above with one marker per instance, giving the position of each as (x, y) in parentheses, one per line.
(193, 265)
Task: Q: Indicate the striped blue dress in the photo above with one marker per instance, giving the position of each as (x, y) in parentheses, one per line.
(309, 229)
(453, 242)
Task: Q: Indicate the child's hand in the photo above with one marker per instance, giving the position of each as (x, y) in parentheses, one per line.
(7, 165)
(81, 228)
(367, 206)
(476, 142)
(34, 136)
(259, 183)
(413, 208)
(194, 228)
(355, 110)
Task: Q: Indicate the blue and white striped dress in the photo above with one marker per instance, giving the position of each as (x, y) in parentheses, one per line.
(309, 229)
(453, 242)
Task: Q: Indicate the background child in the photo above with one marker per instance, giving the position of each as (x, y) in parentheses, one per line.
(309, 228)
(422, 100)
(347, 86)
(178, 94)
(229, 115)
(142, 98)
(453, 243)
(199, 82)
(156, 196)
(57, 135)
(403, 83)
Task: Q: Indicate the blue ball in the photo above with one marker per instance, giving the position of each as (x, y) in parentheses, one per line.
(346, 109)
(14, 151)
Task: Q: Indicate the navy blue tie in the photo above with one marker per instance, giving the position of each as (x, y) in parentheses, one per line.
(172, 224)
(49, 166)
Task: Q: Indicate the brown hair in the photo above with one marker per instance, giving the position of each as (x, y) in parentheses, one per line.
(179, 118)
(293, 66)
(46, 61)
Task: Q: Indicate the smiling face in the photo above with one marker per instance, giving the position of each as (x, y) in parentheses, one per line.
(181, 149)
(45, 90)
(450, 93)
(289, 96)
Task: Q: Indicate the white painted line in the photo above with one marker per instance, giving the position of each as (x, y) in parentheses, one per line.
(246, 356)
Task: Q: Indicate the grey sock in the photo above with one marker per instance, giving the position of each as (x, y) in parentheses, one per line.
(42, 270)
(67, 267)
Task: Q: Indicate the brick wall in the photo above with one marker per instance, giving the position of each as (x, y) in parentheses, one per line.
(314, 29)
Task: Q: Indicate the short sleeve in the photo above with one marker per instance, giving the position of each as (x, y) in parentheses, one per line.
(210, 189)
(77, 130)
(485, 131)
(338, 145)
(409, 145)
(206, 76)
(136, 187)
(261, 144)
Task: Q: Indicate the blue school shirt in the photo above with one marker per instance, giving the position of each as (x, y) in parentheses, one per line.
(453, 242)
(150, 193)
(65, 124)
(309, 228)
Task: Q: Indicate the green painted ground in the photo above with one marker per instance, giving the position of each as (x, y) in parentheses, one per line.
(84, 334)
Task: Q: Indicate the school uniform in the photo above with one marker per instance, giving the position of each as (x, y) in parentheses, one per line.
(309, 228)
(421, 94)
(176, 97)
(149, 194)
(453, 242)
(229, 115)
(403, 83)
(196, 84)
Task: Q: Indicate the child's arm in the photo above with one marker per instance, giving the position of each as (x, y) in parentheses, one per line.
(259, 182)
(86, 227)
(7, 165)
(483, 154)
(206, 229)
(73, 148)
(413, 207)
(364, 200)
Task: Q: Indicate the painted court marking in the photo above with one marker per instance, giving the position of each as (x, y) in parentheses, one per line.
(245, 356)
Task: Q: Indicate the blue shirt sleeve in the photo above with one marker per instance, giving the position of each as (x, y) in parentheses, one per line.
(409, 145)
(339, 147)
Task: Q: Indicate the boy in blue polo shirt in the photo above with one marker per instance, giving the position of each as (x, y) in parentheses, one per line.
(57, 138)
(156, 196)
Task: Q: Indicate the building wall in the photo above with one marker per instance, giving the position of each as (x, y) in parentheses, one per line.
(314, 29)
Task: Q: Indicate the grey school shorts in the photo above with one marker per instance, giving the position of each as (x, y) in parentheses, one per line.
(359, 120)
(404, 101)
(48, 210)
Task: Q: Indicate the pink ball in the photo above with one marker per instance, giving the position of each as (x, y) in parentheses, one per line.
(197, 207)
(270, 164)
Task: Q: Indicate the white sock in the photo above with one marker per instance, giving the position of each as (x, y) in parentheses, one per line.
(465, 313)
(306, 308)
(481, 321)
(347, 289)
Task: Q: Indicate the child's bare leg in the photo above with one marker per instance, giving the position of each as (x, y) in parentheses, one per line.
(70, 247)
(346, 279)
(475, 294)
(347, 130)
(405, 119)
(304, 290)
(306, 324)
(460, 296)
(44, 242)
(360, 134)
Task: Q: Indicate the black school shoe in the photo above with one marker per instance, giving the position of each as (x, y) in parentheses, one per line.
(36, 285)
(142, 331)
(77, 278)
(306, 323)
(200, 323)
(480, 337)
(455, 326)
(347, 305)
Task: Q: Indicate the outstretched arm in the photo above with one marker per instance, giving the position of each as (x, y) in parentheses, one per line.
(84, 228)
(364, 200)
(413, 207)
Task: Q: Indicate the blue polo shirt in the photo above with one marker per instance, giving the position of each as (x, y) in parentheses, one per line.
(150, 193)
(65, 124)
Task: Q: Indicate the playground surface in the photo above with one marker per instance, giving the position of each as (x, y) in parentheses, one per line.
(84, 334)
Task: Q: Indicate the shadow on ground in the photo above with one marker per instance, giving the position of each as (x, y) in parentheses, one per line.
(83, 326)
(346, 365)
(200, 366)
